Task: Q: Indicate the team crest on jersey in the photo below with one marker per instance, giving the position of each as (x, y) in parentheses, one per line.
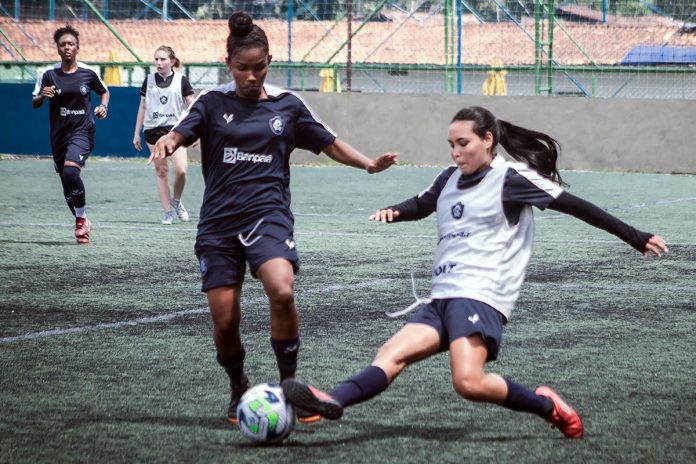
(84, 90)
(277, 125)
(458, 210)
(164, 99)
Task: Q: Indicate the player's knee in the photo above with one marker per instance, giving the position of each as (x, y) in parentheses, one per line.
(469, 387)
(281, 296)
(180, 173)
(227, 326)
(162, 170)
(72, 180)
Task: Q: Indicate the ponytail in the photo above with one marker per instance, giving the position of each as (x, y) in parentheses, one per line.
(170, 53)
(536, 149)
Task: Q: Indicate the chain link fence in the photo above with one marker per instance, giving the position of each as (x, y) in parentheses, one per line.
(589, 48)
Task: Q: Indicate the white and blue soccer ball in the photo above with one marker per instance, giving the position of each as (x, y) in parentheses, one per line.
(264, 415)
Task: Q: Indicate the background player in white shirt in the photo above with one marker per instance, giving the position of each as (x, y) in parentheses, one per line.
(164, 96)
(247, 131)
(68, 86)
(485, 233)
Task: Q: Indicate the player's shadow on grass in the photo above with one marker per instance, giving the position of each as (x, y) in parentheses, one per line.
(215, 423)
(40, 242)
(368, 432)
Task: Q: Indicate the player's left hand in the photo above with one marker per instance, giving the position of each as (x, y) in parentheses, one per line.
(100, 111)
(382, 162)
(656, 245)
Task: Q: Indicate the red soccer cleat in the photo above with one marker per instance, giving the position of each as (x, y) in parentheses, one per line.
(82, 229)
(563, 417)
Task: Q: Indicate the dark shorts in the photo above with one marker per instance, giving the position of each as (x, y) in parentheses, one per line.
(225, 264)
(462, 317)
(76, 149)
(154, 134)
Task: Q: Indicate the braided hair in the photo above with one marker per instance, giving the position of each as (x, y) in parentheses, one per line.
(536, 149)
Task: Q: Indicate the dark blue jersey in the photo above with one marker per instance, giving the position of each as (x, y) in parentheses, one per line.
(245, 155)
(70, 110)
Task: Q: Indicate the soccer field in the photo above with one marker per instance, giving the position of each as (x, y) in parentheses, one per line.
(106, 352)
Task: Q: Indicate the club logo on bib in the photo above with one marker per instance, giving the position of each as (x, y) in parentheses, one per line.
(277, 125)
(164, 99)
(458, 210)
(84, 90)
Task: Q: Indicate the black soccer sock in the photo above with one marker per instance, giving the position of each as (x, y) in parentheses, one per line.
(520, 398)
(367, 384)
(234, 367)
(73, 182)
(286, 356)
(66, 194)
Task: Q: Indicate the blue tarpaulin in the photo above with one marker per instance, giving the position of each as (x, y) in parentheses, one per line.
(655, 54)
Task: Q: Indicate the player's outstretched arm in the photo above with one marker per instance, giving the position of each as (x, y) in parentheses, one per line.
(166, 145)
(345, 154)
(644, 242)
(384, 215)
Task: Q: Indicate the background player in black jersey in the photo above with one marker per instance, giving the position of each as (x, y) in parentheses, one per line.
(170, 93)
(247, 132)
(68, 86)
(485, 234)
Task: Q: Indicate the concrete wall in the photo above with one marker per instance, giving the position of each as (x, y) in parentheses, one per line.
(597, 134)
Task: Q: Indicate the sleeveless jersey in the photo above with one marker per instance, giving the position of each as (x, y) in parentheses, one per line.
(163, 105)
(480, 254)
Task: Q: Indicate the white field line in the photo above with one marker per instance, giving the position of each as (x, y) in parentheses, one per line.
(313, 234)
(169, 316)
(141, 228)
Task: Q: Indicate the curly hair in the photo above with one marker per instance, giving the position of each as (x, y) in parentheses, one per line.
(67, 29)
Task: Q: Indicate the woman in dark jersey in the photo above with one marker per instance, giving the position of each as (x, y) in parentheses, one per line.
(247, 132)
(164, 96)
(68, 86)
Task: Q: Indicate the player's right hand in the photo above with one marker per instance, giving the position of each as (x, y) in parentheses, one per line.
(384, 215)
(136, 142)
(49, 91)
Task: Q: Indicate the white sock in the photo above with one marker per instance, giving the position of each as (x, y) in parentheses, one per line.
(81, 212)
(176, 201)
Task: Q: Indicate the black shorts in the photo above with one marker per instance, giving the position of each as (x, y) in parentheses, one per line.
(76, 148)
(225, 264)
(154, 134)
(462, 317)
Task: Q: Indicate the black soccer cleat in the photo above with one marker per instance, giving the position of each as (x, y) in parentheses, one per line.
(311, 400)
(236, 392)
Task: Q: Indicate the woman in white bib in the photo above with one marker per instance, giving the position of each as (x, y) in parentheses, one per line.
(164, 96)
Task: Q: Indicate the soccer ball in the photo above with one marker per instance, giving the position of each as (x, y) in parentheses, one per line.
(264, 415)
